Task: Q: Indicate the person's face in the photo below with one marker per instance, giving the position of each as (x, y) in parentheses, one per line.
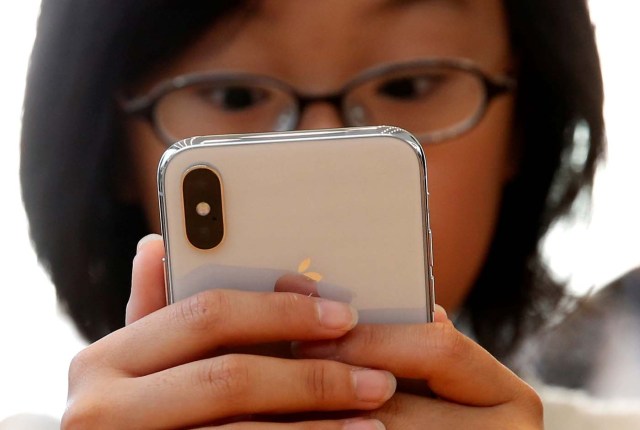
(316, 46)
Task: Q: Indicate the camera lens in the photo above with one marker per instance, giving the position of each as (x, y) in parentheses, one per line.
(203, 208)
(202, 200)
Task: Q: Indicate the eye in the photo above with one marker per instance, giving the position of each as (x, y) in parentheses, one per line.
(409, 87)
(234, 97)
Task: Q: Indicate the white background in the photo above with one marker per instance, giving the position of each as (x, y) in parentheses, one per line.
(36, 342)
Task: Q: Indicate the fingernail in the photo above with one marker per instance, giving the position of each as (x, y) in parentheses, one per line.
(363, 424)
(336, 315)
(373, 385)
(147, 238)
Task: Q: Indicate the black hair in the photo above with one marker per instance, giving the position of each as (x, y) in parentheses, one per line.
(559, 90)
(85, 235)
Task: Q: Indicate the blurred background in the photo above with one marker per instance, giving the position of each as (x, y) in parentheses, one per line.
(37, 341)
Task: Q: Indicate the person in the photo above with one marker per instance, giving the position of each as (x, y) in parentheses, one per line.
(112, 83)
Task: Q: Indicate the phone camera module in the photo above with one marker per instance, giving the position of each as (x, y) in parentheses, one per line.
(202, 200)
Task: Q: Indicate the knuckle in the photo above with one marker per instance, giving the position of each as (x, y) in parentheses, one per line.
(317, 383)
(227, 376)
(80, 364)
(286, 305)
(532, 402)
(447, 342)
(371, 336)
(88, 405)
(203, 311)
(82, 414)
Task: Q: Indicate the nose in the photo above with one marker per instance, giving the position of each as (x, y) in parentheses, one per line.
(320, 115)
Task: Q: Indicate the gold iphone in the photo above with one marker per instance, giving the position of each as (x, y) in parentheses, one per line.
(346, 207)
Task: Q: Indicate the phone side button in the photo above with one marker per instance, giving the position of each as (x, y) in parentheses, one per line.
(432, 300)
(432, 285)
(430, 244)
(167, 289)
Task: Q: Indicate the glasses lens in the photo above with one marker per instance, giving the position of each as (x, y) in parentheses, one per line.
(224, 106)
(426, 100)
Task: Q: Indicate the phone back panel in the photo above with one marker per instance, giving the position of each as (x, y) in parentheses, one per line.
(348, 206)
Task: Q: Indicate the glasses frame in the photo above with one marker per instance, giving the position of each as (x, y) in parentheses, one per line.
(144, 106)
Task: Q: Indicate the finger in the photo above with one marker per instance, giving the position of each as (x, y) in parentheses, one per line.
(147, 279)
(351, 424)
(454, 366)
(197, 326)
(236, 384)
(407, 411)
(296, 283)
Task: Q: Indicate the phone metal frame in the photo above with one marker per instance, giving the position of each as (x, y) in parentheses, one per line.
(301, 137)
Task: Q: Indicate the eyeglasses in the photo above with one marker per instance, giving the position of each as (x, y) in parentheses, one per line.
(434, 99)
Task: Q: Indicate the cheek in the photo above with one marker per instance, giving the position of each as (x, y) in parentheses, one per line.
(145, 152)
(466, 178)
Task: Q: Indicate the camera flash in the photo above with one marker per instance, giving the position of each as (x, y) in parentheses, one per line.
(203, 208)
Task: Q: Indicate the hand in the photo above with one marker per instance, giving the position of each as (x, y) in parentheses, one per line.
(161, 371)
(472, 389)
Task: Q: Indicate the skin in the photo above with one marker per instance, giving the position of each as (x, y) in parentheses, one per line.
(168, 368)
(466, 175)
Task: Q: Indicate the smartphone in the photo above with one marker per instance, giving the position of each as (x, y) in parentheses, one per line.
(346, 207)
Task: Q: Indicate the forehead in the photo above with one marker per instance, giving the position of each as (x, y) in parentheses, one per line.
(338, 37)
(370, 6)
(479, 16)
